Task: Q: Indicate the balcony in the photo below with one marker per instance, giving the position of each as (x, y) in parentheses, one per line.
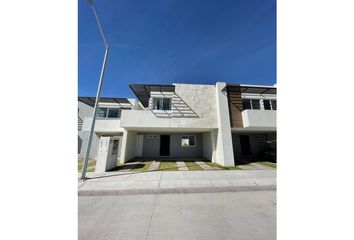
(146, 119)
(105, 125)
(266, 119)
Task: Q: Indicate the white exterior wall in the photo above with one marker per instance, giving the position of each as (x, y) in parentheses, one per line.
(105, 159)
(259, 118)
(101, 126)
(128, 149)
(84, 111)
(83, 140)
(224, 150)
(108, 125)
(209, 145)
(193, 106)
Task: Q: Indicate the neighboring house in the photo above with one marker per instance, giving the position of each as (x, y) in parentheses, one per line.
(223, 123)
(84, 111)
(252, 111)
(106, 125)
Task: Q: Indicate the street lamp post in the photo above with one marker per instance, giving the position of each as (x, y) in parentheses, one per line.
(84, 167)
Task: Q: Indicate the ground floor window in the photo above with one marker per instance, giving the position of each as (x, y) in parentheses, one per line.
(188, 141)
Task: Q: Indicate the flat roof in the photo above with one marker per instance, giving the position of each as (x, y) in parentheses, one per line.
(91, 100)
(143, 91)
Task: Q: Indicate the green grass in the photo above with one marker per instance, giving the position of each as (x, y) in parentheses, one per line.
(193, 166)
(142, 167)
(211, 164)
(168, 166)
(268, 164)
(90, 166)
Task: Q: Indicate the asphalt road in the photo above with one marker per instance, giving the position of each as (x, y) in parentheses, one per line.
(229, 215)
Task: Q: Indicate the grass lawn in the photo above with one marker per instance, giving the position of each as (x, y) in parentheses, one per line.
(142, 167)
(193, 166)
(211, 164)
(268, 164)
(90, 166)
(168, 166)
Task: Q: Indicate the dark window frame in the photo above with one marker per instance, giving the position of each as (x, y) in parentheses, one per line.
(189, 137)
(159, 103)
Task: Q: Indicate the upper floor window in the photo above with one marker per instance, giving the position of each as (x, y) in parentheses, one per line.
(104, 112)
(266, 104)
(162, 104)
(256, 104)
(251, 103)
(269, 104)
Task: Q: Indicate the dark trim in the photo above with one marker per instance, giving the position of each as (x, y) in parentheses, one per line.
(90, 101)
(249, 89)
(142, 91)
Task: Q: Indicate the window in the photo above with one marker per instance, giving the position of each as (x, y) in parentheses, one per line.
(108, 112)
(255, 104)
(162, 104)
(113, 113)
(115, 147)
(246, 103)
(274, 104)
(266, 104)
(188, 141)
(102, 112)
(251, 104)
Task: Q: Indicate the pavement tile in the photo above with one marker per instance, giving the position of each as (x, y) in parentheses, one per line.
(265, 181)
(154, 166)
(181, 166)
(185, 183)
(242, 182)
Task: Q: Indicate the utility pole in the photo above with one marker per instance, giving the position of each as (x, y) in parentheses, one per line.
(84, 167)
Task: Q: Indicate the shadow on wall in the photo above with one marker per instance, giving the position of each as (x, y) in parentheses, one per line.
(179, 109)
(79, 144)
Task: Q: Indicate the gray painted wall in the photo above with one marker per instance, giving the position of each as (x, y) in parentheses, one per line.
(151, 146)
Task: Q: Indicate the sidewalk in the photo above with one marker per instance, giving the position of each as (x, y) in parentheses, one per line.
(128, 183)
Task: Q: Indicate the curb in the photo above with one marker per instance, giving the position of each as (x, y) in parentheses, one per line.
(174, 190)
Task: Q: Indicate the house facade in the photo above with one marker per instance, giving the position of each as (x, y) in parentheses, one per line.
(107, 121)
(222, 123)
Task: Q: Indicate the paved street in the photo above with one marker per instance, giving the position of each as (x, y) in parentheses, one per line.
(225, 215)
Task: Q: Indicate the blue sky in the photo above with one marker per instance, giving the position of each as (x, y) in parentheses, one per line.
(176, 41)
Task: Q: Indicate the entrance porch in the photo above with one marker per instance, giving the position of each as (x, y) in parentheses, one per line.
(251, 147)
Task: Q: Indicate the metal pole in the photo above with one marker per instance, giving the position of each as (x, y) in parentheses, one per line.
(84, 167)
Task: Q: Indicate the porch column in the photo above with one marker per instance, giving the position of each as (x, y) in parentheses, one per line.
(224, 148)
(128, 149)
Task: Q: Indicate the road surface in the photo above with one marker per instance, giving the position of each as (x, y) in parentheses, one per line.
(244, 215)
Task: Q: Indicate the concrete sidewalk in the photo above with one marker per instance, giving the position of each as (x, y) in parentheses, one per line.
(128, 183)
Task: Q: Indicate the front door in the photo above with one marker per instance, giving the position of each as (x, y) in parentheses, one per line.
(164, 145)
(245, 145)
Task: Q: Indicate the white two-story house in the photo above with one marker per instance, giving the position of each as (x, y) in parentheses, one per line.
(222, 123)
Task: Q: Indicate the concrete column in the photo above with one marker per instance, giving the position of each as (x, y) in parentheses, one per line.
(224, 148)
(214, 136)
(103, 155)
(128, 150)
